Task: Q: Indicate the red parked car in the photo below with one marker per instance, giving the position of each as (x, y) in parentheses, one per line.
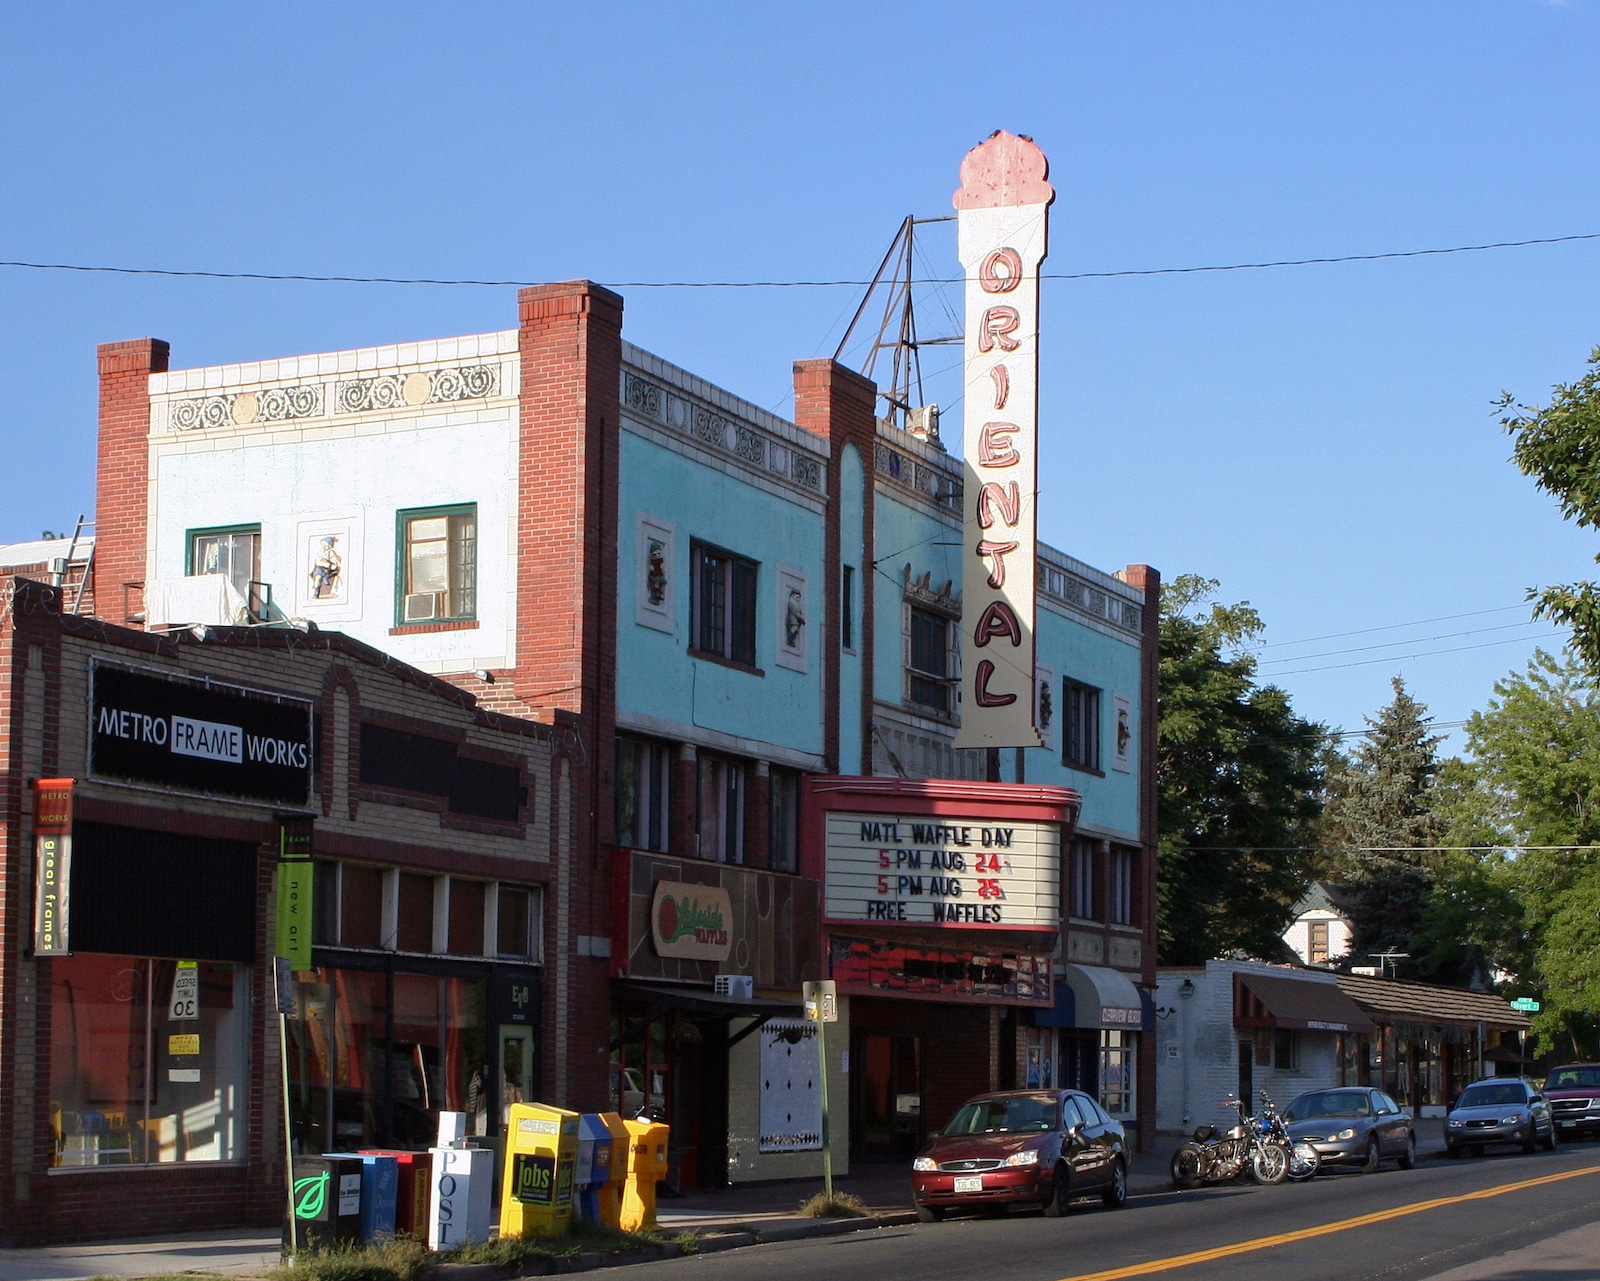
(1574, 1094)
(1024, 1147)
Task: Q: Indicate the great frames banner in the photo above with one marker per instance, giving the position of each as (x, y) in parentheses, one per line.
(1002, 211)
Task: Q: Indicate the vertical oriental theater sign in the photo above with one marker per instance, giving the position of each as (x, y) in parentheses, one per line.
(1001, 209)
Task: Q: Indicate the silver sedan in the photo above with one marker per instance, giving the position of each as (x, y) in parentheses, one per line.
(1353, 1125)
(1505, 1111)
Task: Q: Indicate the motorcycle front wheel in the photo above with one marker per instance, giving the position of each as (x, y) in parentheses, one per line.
(1186, 1166)
(1304, 1162)
(1270, 1164)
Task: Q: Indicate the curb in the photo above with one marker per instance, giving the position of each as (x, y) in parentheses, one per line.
(712, 1242)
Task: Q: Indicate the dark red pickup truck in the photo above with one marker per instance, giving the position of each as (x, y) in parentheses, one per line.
(1574, 1094)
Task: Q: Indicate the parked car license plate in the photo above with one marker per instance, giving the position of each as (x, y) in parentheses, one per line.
(969, 1183)
(1569, 1124)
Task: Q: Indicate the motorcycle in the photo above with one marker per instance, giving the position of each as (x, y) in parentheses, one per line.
(1303, 1160)
(1217, 1158)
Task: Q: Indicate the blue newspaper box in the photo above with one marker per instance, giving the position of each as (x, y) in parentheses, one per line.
(594, 1165)
(380, 1195)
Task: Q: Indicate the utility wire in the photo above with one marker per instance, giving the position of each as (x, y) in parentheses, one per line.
(1411, 640)
(1373, 849)
(790, 284)
(1390, 627)
(1401, 658)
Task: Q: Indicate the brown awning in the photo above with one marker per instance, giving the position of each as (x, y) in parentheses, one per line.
(1271, 1000)
(1396, 1001)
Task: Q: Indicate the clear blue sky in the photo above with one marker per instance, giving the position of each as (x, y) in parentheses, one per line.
(1318, 438)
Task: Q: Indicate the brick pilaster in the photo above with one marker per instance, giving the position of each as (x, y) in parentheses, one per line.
(123, 473)
(568, 458)
(839, 404)
(1149, 581)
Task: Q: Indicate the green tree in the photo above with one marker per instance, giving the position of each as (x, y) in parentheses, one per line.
(1559, 446)
(1531, 786)
(1378, 827)
(1240, 779)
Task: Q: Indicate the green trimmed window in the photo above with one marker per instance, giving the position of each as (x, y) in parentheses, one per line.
(436, 572)
(235, 552)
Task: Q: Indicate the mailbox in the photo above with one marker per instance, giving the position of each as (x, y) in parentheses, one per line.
(647, 1163)
(327, 1201)
(536, 1189)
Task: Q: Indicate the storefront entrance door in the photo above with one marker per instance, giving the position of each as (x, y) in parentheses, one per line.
(516, 1060)
(887, 1074)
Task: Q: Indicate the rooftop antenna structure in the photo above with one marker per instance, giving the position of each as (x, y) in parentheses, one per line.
(907, 407)
(1386, 962)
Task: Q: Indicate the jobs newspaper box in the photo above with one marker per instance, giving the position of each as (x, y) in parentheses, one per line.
(541, 1164)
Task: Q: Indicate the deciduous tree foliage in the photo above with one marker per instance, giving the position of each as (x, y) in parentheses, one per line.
(1237, 769)
(1559, 446)
(1531, 779)
(1379, 829)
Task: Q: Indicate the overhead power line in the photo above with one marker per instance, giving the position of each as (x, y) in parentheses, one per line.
(308, 278)
(1410, 640)
(1375, 849)
(1401, 658)
(1392, 627)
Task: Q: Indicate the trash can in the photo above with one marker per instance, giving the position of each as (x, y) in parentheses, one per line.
(380, 1194)
(647, 1163)
(541, 1156)
(327, 1201)
(411, 1194)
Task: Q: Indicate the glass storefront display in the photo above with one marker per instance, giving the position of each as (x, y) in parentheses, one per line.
(1118, 1065)
(147, 1060)
(375, 1056)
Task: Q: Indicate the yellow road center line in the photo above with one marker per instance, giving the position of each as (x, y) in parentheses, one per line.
(1325, 1229)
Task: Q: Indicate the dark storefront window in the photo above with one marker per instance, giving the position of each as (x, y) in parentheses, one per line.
(1119, 888)
(1080, 874)
(129, 1083)
(396, 1050)
(641, 815)
(929, 669)
(1080, 725)
(784, 786)
(466, 917)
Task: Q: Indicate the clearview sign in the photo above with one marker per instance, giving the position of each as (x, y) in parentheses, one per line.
(199, 737)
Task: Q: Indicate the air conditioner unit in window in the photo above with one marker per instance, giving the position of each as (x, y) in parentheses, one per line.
(419, 607)
(739, 986)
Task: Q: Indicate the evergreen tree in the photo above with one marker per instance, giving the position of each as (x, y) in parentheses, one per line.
(1379, 829)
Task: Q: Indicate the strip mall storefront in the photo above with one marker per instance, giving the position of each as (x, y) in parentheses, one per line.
(941, 907)
(180, 789)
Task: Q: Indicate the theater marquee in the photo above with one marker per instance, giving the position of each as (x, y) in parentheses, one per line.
(1001, 212)
(954, 872)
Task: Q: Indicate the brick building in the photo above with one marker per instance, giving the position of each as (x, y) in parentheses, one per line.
(734, 625)
(436, 983)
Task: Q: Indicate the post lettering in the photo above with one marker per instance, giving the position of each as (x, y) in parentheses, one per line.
(994, 445)
(996, 329)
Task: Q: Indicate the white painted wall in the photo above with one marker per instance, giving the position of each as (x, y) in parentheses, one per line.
(1202, 1033)
(357, 466)
(1298, 935)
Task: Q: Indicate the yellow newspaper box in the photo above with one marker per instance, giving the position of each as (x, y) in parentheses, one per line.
(647, 1162)
(609, 1193)
(541, 1154)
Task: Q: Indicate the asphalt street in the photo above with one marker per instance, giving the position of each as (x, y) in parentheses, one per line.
(1442, 1217)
